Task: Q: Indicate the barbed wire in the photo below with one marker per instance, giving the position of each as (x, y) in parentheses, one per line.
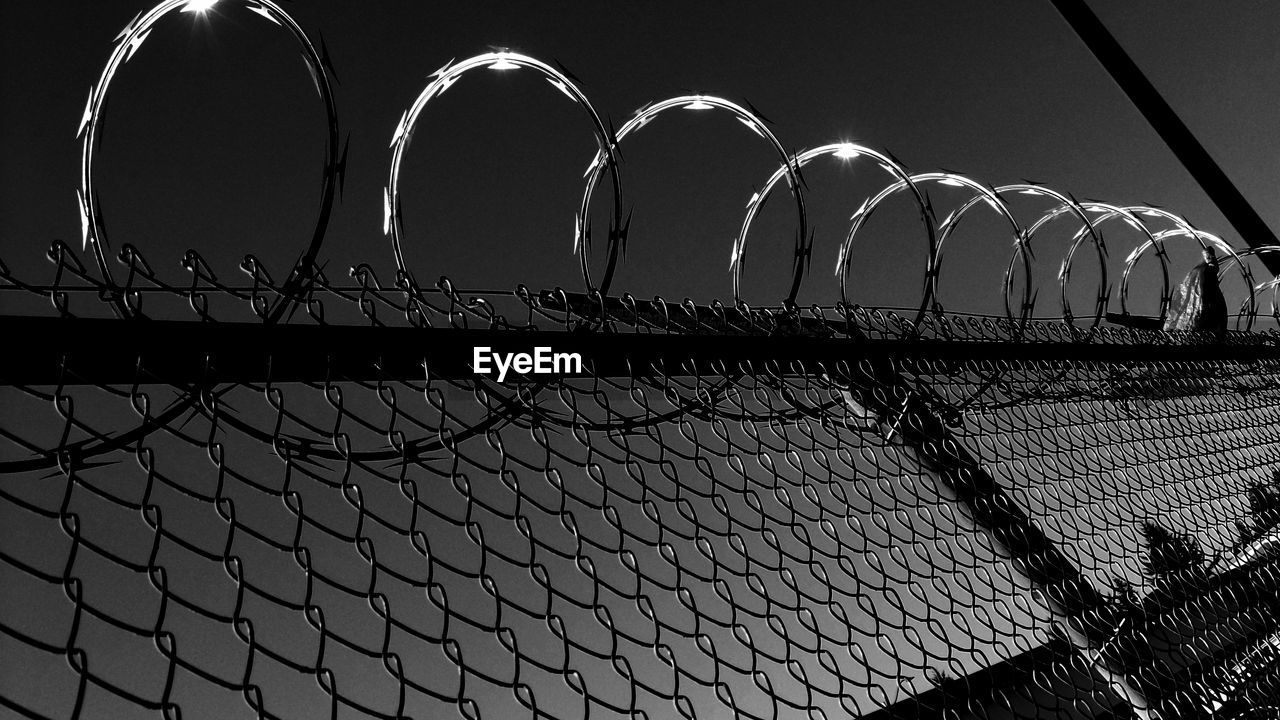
(1158, 225)
(937, 516)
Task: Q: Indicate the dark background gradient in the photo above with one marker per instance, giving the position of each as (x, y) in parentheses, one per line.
(214, 134)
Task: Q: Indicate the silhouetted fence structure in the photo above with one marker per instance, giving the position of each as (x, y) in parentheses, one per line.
(730, 513)
(299, 499)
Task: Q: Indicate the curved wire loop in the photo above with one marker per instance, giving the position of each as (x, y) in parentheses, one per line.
(443, 79)
(1109, 212)
(643, 117)
(843, 151)
(92, 229)
(1067, 205)
(1204, 239)
(983, 194)
(1272, 284)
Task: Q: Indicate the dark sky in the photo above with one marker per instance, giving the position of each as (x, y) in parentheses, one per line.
(214, 134)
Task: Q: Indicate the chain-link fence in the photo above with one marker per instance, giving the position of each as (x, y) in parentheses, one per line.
(777, 513)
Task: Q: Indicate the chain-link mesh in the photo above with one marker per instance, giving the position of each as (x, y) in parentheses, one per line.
(965, 519)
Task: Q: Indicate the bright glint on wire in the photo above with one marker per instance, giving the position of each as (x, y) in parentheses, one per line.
(199, 6)
(503, 63)
(847, 151)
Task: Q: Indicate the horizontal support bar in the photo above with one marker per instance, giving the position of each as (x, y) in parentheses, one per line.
(48, 351)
